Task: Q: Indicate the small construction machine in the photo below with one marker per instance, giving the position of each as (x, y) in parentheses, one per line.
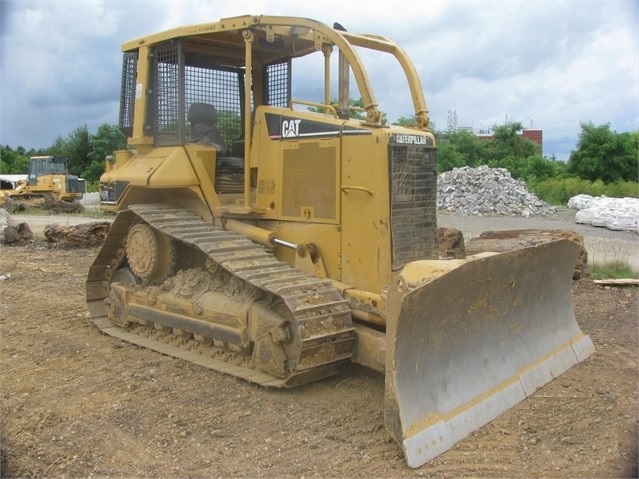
(48, 181)
(9, 184)
(264, 233)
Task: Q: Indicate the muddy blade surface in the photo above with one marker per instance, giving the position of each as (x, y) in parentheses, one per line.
(474, 342)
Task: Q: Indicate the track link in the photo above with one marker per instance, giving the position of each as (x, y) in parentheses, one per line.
(313, 306)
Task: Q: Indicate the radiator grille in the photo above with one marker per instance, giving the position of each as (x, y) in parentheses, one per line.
(309, 181)
(73, 185)
(111, 192)
(413, 179)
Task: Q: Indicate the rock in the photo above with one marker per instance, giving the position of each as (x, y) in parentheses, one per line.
(484, 190)
(17, 234)
(11, 234)
(25, 231)
(451, 243)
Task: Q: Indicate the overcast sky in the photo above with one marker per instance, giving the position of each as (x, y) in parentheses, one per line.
(546, 64)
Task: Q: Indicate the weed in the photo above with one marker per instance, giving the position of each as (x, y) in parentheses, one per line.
(613, 270)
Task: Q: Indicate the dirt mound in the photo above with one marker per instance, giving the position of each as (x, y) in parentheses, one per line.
(86, 235)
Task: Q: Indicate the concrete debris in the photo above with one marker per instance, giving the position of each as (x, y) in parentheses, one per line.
(5, 217)
(90, 200)
(487, 191)
(618, 214)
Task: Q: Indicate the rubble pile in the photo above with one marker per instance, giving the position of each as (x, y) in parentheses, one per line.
(620, 214)
(484, 190)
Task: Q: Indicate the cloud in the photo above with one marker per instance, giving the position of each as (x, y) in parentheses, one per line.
(581, 67)
(56, 73)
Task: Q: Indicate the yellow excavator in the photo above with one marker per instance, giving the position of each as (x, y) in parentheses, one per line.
(264, 233)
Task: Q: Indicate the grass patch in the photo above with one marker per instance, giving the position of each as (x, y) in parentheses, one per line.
(613, 270)
(89, 212)
(557, 191)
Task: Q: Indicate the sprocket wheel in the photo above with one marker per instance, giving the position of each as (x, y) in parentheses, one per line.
(151, 255)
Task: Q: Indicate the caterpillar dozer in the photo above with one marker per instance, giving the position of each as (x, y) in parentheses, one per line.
(49, 185)
(266, 233)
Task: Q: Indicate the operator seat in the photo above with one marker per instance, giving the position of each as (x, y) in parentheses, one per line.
(229, 170)
(203, 119)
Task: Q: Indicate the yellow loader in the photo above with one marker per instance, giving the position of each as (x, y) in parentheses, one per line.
(49, 185)
(267, 234)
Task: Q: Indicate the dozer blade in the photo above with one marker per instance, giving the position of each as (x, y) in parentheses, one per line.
(465, 345)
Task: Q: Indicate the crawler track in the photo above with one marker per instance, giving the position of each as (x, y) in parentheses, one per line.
(313, 307)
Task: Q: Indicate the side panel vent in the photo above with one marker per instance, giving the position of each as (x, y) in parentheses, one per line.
(309, 180)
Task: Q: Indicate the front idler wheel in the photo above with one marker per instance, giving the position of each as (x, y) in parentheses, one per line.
(151, 255)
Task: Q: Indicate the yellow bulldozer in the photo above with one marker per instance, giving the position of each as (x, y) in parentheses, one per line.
(264, 233)
(48, 185)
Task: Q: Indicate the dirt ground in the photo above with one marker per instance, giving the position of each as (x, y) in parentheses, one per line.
(77, 403)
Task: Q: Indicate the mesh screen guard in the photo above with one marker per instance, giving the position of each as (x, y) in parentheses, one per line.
(179, 79)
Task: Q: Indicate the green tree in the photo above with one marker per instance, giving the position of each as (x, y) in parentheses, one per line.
(107, 139)
(13, 162)
(532, 168)
(541, 168)
(406, 121)
(409, 121)
(78, 148)
(460, 148)
(448, 157)
(356, 111)
(230, 125)
(629, 158)
(507, 141)
(93, 172)
(605, 154)
(60, 147)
